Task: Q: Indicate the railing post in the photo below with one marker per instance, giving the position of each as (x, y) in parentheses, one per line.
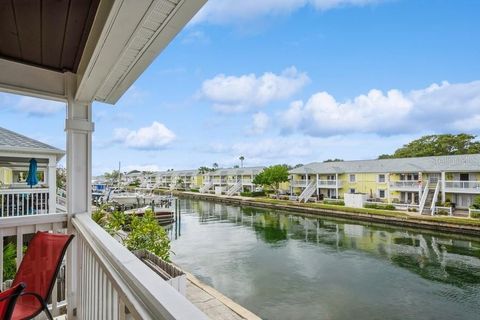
(52, 184)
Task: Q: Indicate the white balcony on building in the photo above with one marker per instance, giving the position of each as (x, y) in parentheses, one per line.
(472, 187)
(77, 53)
(329, 184)
(405, 185)
(299, 183)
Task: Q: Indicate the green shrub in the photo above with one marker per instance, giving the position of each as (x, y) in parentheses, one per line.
(194, 190)
(475, 215)
(476, 203)
(9, 263)
(253, 194)
(442, 212)
(412, 209)
(379, 206)
(337, 203)
(147, 234)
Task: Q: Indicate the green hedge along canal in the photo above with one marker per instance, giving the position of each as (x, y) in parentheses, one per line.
(284, 266)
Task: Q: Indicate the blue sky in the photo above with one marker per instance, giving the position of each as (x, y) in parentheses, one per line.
(290, 81)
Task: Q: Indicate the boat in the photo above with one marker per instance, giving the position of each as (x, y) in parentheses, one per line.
(164, 215)
(127, 199)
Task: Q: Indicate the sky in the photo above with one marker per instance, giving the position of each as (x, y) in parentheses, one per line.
(290, 81)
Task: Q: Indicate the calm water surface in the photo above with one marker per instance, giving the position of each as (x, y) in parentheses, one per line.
(282, 266)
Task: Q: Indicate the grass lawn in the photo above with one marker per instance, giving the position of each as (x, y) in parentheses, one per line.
(387, 213)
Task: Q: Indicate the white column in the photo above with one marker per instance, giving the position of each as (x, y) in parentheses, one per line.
(78, 128)
(52, 184)
(443, 186)
(336, 185)
(420, 187)
(387, 180)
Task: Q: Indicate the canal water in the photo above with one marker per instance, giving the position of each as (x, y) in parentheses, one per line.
(284, 266)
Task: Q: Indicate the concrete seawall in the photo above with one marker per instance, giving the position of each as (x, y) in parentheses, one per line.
(397, 221)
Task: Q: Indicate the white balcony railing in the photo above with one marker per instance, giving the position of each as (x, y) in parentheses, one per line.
(113, 283)
(299, 183)
(232, 182)
(108, 281)
(409, 185)
(328, 184)
(462, 186)
(219, 181)
(21, 202)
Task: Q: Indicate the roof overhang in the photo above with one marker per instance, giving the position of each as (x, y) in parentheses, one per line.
(18, 152)
(125, 37)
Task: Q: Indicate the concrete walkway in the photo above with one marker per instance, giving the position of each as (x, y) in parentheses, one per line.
(214, 304)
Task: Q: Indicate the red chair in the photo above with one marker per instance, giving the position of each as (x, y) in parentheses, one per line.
(8, 299)
(38, 271)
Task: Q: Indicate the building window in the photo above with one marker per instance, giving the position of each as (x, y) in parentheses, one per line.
(352, 178)
(381, 178)
(381, 194)
(352, 190)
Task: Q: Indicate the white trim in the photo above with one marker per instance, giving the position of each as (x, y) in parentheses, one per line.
(32, 81)
(145, 293)
(126, 37)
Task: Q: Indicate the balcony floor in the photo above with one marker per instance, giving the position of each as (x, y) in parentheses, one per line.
(214, 304)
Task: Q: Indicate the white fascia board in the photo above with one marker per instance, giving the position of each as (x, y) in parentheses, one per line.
(126, 37)
(30, 153)
(19, 78)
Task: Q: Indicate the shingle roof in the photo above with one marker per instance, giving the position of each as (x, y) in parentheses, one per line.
(236, 171)
(10, 140)
(454, 163)
(192, 172)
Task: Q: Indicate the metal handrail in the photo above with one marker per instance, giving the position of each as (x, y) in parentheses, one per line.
(424, 198)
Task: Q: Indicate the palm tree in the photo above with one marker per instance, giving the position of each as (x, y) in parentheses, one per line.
(215, 165)
(241, 161)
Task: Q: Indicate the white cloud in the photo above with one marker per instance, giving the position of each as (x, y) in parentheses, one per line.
(235, 11)
(304, 149)
(31, 106)
(260, 123)
(435, 108)
(240, 93)
(156, 136)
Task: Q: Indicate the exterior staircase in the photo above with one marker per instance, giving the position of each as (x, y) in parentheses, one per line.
(206, 187)
(429, 199)
(234, 189)
(308, 191)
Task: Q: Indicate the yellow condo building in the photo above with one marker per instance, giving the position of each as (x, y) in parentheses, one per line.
(427, 182)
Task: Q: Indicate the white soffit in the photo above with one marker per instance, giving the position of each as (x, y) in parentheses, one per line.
(125, 38)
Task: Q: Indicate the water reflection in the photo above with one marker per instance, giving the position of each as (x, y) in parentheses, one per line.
(436, 258)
